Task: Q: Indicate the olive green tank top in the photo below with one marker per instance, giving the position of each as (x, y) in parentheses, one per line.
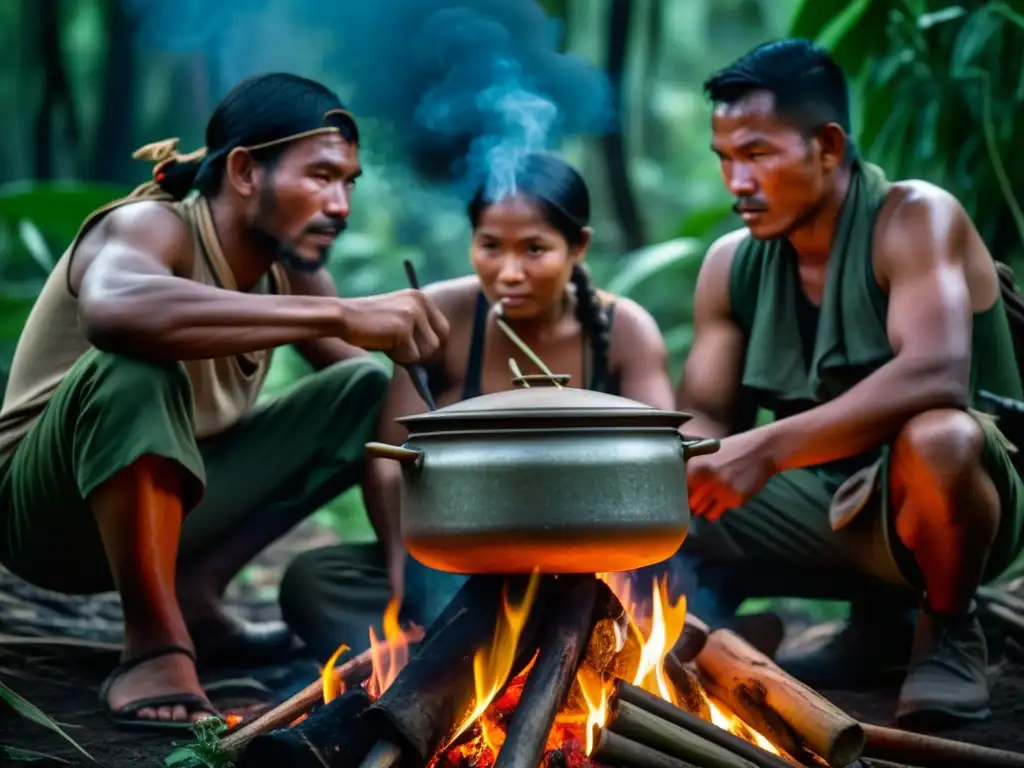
(791, 365)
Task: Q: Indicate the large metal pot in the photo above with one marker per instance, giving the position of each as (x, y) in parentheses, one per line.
(559, 479)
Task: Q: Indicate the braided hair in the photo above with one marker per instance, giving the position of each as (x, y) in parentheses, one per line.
(263, 113)
(561, 194)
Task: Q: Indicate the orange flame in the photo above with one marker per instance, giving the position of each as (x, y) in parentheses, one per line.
(388, 658)
(491, 666)
(332, 685)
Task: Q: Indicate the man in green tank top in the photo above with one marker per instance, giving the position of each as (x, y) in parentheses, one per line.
(865, 315)
(133, 452)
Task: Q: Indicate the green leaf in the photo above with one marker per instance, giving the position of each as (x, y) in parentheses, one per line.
(842, 24)
(650, 261)
(31, 712)
(30, 755)
(36, 246)
(14, 310)
(929, 20)
(57, 208)
(703, 221)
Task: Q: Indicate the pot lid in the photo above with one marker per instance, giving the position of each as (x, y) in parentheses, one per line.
(539, 401)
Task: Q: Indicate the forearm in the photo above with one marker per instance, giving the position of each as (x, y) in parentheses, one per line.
(174, 319)
(867, 415)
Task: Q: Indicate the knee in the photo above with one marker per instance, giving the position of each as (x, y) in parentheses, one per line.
(112, 376)
(361, 382)
(939, 447)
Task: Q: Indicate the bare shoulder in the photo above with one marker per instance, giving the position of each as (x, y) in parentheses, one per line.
(722, 251)
(148, 228)
(921, 219)
(711, 293)
(456, 297)
(629, 315)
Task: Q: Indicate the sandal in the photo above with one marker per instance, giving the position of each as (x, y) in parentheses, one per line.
(127, 716)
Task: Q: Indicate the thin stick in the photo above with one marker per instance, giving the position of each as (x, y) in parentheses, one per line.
(523, 346)
(620, 752)
(515, 370)
(353, 671)
(917, 748)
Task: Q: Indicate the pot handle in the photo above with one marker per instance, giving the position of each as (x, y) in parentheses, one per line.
(702, 447)
(394, 452)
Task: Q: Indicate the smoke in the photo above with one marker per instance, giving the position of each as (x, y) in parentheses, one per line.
(460, 90)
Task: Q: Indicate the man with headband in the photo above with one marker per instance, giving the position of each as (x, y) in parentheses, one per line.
(133, 454)
(866, 314)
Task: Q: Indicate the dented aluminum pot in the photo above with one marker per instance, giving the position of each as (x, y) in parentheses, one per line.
(544, 477)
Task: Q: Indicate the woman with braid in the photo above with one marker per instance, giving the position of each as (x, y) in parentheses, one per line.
(527, 253)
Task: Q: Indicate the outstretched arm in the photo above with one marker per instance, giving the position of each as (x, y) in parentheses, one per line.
(929, 328)
(710, 385)
(134, 300)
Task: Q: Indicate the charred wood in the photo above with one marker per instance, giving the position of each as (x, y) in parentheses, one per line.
(330, 738)
(547, 685)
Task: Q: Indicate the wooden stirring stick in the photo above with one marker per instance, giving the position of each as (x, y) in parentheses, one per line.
(498, 311)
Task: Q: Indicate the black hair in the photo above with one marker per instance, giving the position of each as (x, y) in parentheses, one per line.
(260, 109)
(809, 87)
(562, 197)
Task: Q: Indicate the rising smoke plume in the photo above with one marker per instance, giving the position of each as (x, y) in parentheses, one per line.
(461, 89)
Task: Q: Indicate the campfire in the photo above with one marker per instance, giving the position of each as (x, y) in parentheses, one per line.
(529, 671)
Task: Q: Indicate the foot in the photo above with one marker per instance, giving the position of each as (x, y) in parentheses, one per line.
(875, 640)
(157, 688)
(947, 681)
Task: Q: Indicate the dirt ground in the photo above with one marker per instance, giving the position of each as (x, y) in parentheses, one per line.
(63, 679)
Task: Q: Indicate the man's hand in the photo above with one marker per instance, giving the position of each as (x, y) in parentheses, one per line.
(730, 476)
(406, 325)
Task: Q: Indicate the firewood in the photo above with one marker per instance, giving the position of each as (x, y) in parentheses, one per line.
(619, 752)
(793, 716)
(561, 649)
(895, 744)
(352, 672)
(625, 693)
(332, 736)
(424, 705)
(689, 694)
(650, 730)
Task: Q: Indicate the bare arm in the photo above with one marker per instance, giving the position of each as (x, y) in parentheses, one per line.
(710, 385)
(324, 351)
(929, 328)
(134, 300)
(643, 361)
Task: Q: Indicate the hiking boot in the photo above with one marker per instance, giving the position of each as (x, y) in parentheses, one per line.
(947, 681)
(875, 641)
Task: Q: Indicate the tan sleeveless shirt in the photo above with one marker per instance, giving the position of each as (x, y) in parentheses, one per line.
(52, 340)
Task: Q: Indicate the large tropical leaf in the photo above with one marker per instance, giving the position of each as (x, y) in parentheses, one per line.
(56, 208)
(31, 712)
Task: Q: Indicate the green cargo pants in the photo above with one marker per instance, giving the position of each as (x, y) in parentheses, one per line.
(279, 463)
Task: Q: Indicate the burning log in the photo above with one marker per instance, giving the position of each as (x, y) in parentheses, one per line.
(332, 736)
(554, 670)
(894, 744)
(628, 700)
(792, 715)
(423, 706)
(352, 672)
(620, 752)
(689, 694)
(692, 640)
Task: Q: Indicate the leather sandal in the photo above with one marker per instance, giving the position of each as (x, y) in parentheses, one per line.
(127, 716)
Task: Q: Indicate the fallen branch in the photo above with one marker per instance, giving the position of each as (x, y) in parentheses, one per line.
(793, 716)
(918, 748)
(352, 672)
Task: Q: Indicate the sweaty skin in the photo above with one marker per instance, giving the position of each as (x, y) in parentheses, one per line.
(930, 260)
